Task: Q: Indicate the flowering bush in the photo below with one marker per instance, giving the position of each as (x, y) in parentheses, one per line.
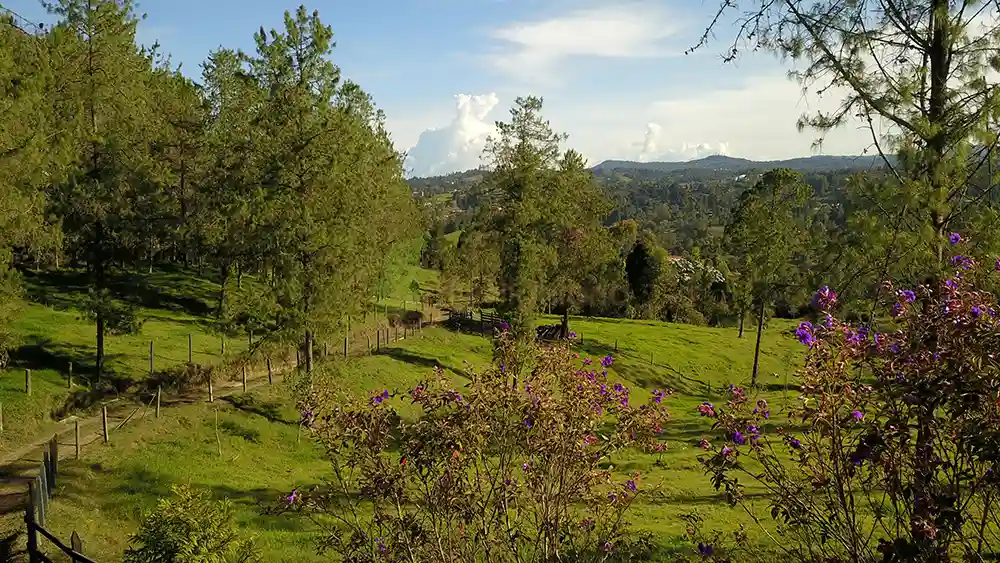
(496, 472)
(892, 450)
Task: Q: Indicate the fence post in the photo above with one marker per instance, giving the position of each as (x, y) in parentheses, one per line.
(616, 346)
(40, 496)
(244, 378)
(650, 358)
(345, 346)
(369, 337)
(151, 355)
(54, 459)
(27, 381)
(69, 376)
(46, 474)
(75, 543)
(223, 340)
(29, 519)
(157, 401)
(190, 349)
(378, 340)
(326, 350)
(1, 416)
(104, 422)
(76, 432)
(269, 380)
(211, 392)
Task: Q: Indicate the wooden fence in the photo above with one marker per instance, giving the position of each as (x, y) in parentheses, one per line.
(39, 494)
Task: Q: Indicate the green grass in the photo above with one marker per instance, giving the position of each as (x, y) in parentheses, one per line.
(103, 497)
(54, 334)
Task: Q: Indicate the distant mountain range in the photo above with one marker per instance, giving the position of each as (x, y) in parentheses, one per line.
(819, 163)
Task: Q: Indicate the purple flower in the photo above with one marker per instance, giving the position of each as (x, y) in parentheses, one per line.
(380, 545)
(858, 415)
(630, 485)
(955, 238)
(572, 334)
(897, 310)
(658, 396)
(996, 266)
(606, 361)
(294, 496)
(377, 399)
(753, 431)
(704, 550)
(908, 295)
(976, 311)
(587, 361)
(612, 497)
(738, 438)
(528, 423)
(505, 326)
(525, 467)
(795, 443)
(824, 299)
(726, 450)
(805, 335)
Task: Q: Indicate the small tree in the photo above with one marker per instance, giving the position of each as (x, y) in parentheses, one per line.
(189, 528)
(499, 473)
(902, 432)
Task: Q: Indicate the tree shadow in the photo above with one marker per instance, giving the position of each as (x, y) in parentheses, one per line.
(271, 411)
(426, 362)
(166, 289)
(46, 354)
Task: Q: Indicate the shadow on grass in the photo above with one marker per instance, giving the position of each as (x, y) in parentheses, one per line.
(270, 410)
(418, 360)
(65, 289)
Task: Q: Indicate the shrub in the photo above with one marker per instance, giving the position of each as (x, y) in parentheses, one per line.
(509, 470)
(896, 458)
(189, 528)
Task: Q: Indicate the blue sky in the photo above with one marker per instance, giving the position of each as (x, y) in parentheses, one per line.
(612, 73)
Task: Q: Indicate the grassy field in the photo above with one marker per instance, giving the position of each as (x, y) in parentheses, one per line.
(263, 456)
(173, 306)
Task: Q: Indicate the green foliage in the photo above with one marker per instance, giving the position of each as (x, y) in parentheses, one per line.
(189, 528)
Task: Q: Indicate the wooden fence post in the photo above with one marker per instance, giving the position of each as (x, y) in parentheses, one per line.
(190, 348)
(157, 401)
(104, 422)
(211, 392)
(269, 372)
(42, 500)
(29, 519)
(616, 346)
(378, 340)
(345, 346)
(223, 340)
(369, 337)
(46, 473)
(75, 543)
(76, 433)
(54, 459)
(27, 381)
(244, 378)
(152, 354)
(69, 376)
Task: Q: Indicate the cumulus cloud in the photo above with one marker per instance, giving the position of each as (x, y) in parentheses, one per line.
(459, 145)
(653, 149)
(532, 50)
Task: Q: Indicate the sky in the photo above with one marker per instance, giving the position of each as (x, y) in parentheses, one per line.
(612, 73)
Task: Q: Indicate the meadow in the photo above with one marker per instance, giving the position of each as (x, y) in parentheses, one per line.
(249, 447)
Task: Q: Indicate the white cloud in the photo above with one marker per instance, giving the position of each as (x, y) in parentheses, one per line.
(653, 150)
(459, 145)
(532, 50)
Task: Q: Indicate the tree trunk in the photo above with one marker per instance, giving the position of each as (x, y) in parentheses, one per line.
(100, 346)
(309, 351)
(225, 272)
(742, 318)
(564, 330)
(756, 351)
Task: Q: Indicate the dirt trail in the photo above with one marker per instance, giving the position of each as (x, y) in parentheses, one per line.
(19, 467)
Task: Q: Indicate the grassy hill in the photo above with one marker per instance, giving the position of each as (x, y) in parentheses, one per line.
(254, 453)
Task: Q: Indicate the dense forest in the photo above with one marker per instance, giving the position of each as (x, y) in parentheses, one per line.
(270, 167)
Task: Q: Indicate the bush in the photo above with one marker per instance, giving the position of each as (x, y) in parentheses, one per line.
(189, 528)
(897, 457)
(509, 470)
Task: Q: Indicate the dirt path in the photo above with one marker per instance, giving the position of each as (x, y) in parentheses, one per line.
(19, 467)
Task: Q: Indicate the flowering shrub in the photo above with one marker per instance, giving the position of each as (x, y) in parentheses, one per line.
(892, 449)
(496, 472)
